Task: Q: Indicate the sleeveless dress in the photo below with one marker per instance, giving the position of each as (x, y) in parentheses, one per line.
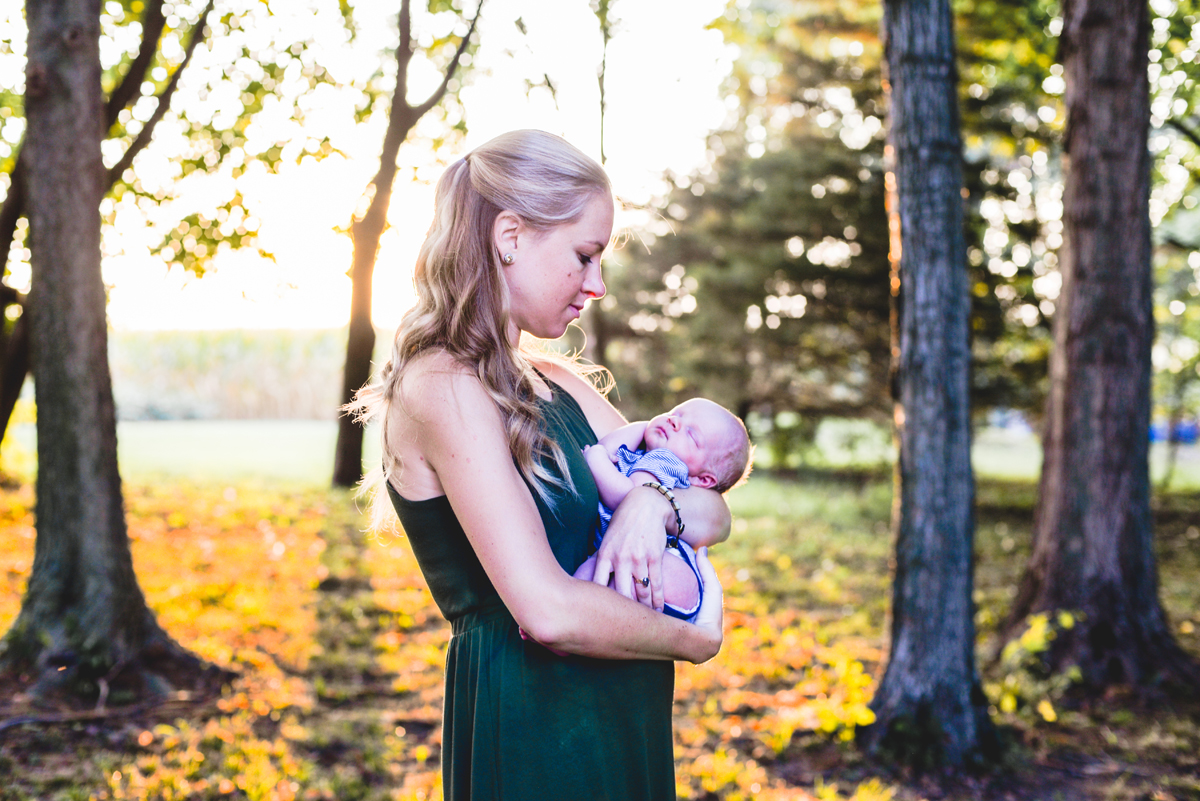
(519, 723)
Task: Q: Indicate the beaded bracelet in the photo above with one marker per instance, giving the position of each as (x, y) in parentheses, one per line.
(672, 540)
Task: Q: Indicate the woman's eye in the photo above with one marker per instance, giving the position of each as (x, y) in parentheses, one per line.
(585, 259)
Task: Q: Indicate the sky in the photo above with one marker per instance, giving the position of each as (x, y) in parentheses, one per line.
(664, 70)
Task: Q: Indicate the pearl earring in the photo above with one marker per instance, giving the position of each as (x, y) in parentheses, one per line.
(508, 258)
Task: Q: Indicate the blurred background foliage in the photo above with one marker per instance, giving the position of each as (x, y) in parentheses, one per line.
(760, 279)
(763, 280)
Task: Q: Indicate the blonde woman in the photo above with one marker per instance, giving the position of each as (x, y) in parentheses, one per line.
(482, 441)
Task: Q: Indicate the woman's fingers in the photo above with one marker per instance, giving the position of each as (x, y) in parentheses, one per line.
(603, 568)
(641, 584)
(623, 580)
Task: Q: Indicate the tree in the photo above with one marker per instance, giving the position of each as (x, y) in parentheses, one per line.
(929, 706)
(593, 321)
(83, 617)
(83, 611)
(15, 351)
(764, 282)
(366, 231)
(151, 47)
(1093, 531)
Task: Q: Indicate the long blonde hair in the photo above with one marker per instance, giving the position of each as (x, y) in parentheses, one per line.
(462, 300)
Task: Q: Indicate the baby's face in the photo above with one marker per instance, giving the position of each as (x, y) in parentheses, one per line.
(697, 431)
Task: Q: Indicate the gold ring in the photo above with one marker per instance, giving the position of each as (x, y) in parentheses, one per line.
(646, 581)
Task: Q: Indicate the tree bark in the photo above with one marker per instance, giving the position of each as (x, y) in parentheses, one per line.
(366, 233)
(929, 707)
(1093, 532)
(83, 610)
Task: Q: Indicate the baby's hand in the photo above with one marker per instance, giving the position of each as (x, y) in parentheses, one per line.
(597, 453)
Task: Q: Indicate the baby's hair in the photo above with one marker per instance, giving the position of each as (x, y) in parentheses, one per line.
(732, 467)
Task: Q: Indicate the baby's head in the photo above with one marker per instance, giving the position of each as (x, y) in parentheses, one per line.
(708, 438)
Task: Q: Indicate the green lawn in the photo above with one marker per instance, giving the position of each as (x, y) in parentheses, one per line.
(301, 451)
(296, 452)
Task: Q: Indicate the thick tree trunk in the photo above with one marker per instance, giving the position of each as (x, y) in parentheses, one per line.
(929, 706)
(83, 609)
(1093, 532)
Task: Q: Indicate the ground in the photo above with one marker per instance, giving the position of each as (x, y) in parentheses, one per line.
(338, 652)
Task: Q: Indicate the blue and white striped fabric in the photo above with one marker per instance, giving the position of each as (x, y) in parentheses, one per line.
(667, 469)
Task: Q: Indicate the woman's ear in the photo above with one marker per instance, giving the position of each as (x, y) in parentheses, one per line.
(705, 480)
(506, 232)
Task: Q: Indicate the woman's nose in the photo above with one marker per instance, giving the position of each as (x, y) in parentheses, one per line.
(593, 282)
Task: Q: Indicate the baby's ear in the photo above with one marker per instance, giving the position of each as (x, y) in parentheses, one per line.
(705, 480)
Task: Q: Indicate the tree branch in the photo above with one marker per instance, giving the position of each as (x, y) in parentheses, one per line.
(404, 54)
(164, 101)
(401, 116)
(437, 96)
(1183, 129)
(153, 22)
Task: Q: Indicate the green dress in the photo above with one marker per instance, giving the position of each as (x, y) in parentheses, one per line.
(519, 723)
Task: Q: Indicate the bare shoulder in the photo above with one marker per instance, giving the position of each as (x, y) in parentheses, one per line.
(435, 385)
(601, 414)
(440, 409)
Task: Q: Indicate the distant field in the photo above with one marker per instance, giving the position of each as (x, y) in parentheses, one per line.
(289, 451)
(301, 451)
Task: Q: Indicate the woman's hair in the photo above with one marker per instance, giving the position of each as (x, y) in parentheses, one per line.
(462, 299)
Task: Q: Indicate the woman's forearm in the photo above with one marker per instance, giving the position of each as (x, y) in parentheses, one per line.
(705, 515)
(590, 620)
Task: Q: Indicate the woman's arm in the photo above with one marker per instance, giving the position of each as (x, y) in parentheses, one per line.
(705, 514)
(460, 435)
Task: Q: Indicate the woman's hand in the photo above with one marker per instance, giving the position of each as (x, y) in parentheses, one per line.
(711, 614)
(633, 547)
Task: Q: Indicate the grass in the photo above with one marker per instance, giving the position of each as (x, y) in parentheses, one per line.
(300, 452)
(339, 650)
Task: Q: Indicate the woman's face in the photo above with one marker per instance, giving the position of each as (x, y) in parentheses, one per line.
(556, 272)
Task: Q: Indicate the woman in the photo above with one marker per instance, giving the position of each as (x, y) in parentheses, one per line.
(482, 440)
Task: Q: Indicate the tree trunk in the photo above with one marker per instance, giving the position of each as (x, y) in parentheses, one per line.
(347, 457)
(366, 233)
(83, 610)
(16, 365)
(15, 352)
(594, 323)
(1093, 532)
(14, 370)
(929, 708)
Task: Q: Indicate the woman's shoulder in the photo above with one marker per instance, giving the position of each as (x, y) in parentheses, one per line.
(435, 383)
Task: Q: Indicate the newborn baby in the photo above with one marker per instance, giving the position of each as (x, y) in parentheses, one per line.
(697, 444)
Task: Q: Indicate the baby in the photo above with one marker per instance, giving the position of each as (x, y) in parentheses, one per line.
(697, 444)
